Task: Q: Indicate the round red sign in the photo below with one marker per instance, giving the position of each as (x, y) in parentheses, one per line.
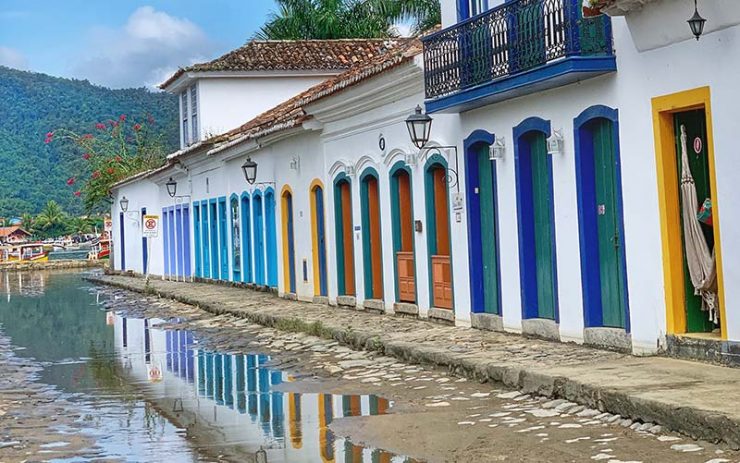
(151, 224)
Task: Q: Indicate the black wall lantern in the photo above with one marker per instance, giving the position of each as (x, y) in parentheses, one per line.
(420, 127)
(250, 171)
(171, 187)
(124, 204)
(696, 22)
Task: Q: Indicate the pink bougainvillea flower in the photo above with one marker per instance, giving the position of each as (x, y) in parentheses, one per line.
(77, 193)
(110, 170)
(71, 181)
(137, 127)
(87, 136)
(96, 174)
(49, 137)
(118, 158)
(122, 117)
(100, 126)
(86, 156)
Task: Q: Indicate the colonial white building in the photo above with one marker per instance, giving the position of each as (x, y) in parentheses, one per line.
(545, 201)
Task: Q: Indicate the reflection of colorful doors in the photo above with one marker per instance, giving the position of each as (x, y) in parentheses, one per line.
(403, 233)
(319, 240)
(270, 232)
(371, 235)
(600, 219)
(697, 321)
(259, 241)
(288, 242)
(345, 248)
(438, 235)
(246, 238)
(536, 234)
(483, 230)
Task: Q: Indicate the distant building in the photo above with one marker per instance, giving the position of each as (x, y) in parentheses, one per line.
(14, 234)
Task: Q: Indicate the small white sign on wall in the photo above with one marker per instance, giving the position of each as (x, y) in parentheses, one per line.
(150, 226)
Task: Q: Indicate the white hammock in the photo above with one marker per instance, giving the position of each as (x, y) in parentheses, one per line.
(700, 260)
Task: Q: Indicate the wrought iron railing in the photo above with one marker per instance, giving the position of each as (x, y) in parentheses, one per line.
(515, 37)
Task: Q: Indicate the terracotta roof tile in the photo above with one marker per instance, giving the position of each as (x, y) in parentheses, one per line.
(294, 55)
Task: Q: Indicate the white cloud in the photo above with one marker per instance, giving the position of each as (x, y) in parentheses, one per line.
(12, 58)
(144, 52)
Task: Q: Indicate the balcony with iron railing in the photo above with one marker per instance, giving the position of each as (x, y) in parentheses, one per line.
(518, 48)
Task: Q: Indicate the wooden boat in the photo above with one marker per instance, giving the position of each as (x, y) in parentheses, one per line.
(100, 250)
(33, 252)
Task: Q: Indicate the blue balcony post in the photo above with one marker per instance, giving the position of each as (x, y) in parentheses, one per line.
(573, 30)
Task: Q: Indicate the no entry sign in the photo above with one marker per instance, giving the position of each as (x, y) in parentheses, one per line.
(151, 226)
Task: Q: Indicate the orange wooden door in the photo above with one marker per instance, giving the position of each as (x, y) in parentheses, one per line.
(442, 281)
(406, 276)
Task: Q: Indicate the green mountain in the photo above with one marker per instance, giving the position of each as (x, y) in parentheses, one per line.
(32, 104)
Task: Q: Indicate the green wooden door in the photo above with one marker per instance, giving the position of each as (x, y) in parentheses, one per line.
(543, 226)
(607, 220)
(697, 321)
(488, 233)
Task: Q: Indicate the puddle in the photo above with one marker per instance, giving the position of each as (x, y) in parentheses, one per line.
(147, 394)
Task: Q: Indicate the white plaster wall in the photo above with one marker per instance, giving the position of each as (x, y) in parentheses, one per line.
(227, 103)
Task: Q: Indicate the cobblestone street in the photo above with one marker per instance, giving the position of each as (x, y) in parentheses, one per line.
(700, 402)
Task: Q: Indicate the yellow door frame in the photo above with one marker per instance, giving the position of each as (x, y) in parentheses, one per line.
(664, 107)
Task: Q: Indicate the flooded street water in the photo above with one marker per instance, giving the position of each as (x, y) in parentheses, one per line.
(121, 376)
(146, 394)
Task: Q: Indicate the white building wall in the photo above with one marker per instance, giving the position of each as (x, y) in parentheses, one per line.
(140, 194)
(227, 103)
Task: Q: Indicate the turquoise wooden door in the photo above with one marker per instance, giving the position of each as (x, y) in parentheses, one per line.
(488, 233)
(611, 269)
(223, 240)
(246, 239)
(259, 242)
(542, 210)
(197, 240)
(213, 219)
(291, 242)
(271, 239)
(697, 321)
(321, 239)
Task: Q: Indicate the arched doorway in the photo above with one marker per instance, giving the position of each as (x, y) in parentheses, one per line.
(402, 220)
(438, 233)
(246, 215)
(288, 241)
(271, 238)
(259, 239)
(536, 220)
(345, 246)
(598, 178)
(482, 224)
(318, 236)
(371, 234)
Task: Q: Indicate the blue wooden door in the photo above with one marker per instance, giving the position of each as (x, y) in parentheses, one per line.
(259, 243)
(179, 248)
(205, 239)
(186, 239)
(213, 219)
(291, 241)
(321, 239)
(122, 239)
(223, 238)
(166, 241)
(196, 240)
(246, 240)
(171, 250)
(271, 236)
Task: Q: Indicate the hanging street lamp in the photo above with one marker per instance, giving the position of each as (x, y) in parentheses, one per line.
(124, 204)
(696, 22)
(249, 168)
(171, 187)
(419, 125)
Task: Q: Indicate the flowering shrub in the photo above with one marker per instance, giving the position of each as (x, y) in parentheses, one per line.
(115, 151)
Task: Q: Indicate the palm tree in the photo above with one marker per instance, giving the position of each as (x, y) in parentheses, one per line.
(51, 219)
(79, 225)
(28, 223)
(339, 19)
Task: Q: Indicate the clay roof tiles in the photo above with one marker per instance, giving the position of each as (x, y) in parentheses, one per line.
(293, 55)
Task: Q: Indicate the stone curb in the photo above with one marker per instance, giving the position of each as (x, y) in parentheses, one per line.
(696, 423)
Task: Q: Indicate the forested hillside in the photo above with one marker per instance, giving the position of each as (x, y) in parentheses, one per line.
(32, 104)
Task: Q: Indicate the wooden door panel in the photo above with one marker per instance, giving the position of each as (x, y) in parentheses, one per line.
(442, 282)
(406, 276)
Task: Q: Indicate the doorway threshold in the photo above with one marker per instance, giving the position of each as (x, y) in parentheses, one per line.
(705, 347)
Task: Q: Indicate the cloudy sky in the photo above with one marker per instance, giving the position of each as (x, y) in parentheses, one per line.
(120, 44)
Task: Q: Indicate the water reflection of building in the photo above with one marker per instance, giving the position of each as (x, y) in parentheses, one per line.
(22, 283)
(233, 397)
